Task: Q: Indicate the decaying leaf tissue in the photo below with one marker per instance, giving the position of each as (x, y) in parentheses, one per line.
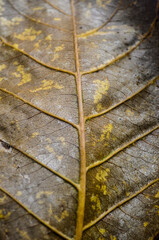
(79, 119)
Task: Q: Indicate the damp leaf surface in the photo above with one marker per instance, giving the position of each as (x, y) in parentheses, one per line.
(79, 120)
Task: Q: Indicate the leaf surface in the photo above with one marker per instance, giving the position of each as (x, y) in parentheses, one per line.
(79, 120)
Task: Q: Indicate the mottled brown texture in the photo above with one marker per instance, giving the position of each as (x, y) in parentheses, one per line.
(79, 111)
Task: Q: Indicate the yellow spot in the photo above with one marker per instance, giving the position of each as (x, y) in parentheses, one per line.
(127, 194)
(157, 195)
(1, 6)
(103, 87)
(100, 238)
(101, 176)
(106, 132)
(129, 113)
(29, 34)
(0, 98)
(99, 107)
(2, 200)
(46, 85)
(23, 234)
(63, 216)
(2, 66)
(96, 200)
(26, 77)
(17, 124)
(88, 14)
(60, 157)
(57, 19)
(102, 230)
(62, 139)
(15, 45)
(112, 237)
(15, 63)
(3, 214)
(50, 149)
(49, 37)
(34, 134)
(48, 140)
(16, 74)
(102, 188)
(37, 44)
(93, 45)
(1, 79)
(56, 56)
(59, 48)
(19, 193)
(43, 193)
(14, 21)
(145, 224)
(37, 8)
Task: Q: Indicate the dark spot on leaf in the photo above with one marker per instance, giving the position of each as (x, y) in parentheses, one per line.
(5, 145)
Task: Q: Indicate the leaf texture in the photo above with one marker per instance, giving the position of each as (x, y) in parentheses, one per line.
(79, 120)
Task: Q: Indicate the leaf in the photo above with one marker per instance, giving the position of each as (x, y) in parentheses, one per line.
(78, 120)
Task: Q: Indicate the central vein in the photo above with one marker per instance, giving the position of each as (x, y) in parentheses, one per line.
(82, 188)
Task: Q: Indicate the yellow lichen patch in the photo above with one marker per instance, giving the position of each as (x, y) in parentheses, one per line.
(23, 234)
(15, 45)
(1, 6)
(127, 194)
(145, 224)
(37, 44)
(26, 77)
(46, 85)
(157, 195)
(59, 48)
(102, 230)
(63, 216)
(48, 140)
(15, 63)
(101, 238)
(14, 21)
(156, 206)
(57, 19)
(101, 176)
(99, 107)
(129, 113)
(1, 79)
(95, 199)
(34, 134)
(17, 125)
(3, 214)
(50, 149)
(43, 193)
(102, 188)
(59, 157)
(19, 193)
(16, 74)
(106, 132)
(37, 8)
(102, 88)
(93, 45)
(2, 200)
(49, 37)
(56, 56)
(62, 139)
(2, 66)
(28, 34)
(112, 237)
(88, 14)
